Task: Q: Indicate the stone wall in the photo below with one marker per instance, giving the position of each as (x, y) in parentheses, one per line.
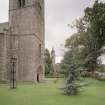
(3, 72)
(27, 28)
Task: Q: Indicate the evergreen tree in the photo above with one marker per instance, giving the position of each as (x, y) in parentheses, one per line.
(48, 64)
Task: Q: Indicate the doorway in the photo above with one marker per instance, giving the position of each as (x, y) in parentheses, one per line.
(38, 78)
(39, 74)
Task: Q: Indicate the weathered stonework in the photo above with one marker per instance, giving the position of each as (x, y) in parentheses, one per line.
(24, 40)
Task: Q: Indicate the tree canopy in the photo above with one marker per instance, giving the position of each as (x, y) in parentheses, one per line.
(90, 36)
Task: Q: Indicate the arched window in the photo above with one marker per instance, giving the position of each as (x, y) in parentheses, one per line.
(23, 3)
(19, 3)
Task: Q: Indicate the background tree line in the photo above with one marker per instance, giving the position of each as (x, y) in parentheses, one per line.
(48, 64)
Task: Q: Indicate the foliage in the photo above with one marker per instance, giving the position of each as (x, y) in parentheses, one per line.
(48, 63)
(90, 36)
(71, 66)
(95, 17)
(101, 68)
(71, 57)
(71, 88)
(100, 76)
(86, 46)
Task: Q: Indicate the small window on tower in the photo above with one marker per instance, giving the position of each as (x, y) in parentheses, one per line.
(19, 3)
(39, 6)
(23, 3)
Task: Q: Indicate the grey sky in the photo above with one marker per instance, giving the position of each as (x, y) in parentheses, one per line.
(58, 13)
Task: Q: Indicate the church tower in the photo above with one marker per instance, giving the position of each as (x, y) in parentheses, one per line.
(53, 57)
(26, 30)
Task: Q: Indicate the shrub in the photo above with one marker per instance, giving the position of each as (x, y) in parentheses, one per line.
(100, 76)
(71, 88)
(55, 80)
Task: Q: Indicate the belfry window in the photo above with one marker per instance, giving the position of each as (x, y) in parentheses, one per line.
(21, 3)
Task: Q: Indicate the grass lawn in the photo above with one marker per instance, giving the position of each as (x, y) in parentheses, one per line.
(50, 94)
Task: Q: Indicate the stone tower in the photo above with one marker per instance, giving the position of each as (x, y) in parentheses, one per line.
(26, 37)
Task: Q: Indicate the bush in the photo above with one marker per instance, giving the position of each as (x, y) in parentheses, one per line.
(71, 89)
(55, 80)
(99, 76)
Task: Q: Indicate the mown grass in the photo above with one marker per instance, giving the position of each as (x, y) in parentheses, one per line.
(50, 94)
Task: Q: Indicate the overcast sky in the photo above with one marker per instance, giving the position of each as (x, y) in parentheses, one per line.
(58, 13)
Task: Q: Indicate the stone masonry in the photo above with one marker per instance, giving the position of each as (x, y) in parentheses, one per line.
(23, 39)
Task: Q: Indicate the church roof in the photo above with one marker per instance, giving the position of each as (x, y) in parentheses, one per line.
(3, 26)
